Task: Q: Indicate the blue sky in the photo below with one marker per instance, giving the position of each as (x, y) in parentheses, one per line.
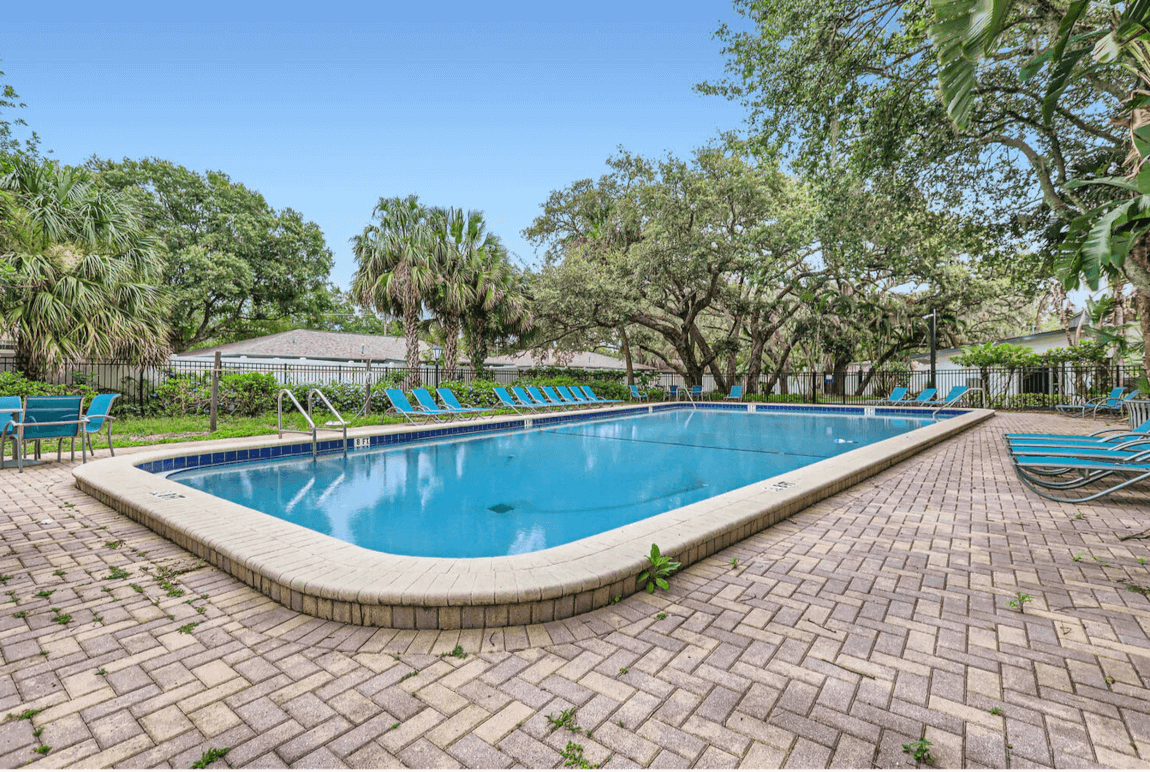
(325, 108)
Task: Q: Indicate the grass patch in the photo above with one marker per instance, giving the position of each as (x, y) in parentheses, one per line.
(210, 755)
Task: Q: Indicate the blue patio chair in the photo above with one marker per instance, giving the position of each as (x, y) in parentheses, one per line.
(639, 395)
(424, 401)
(527, 400)
(956, 393)
(925, 397)
(99, 416)
(1065, 471)
(696, 392)
(557, 398)
(673, 391)
(897, 395)
(47, 418)
(596, 398)
(400, 406)
(543, 399)
(1080, 408)
(574, 396)
(452, 402)
(1102, 436)
(505, 399)
(736, 393)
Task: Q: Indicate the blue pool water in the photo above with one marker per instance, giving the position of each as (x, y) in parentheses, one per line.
(509, 493)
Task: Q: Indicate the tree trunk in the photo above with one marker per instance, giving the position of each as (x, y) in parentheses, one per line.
(1142, 306)
(627, 356)
(1137, 270)
(450, 347)
(410, 329)
(755, 365)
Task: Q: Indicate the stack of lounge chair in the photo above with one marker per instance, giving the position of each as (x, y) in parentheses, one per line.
(1076, 468)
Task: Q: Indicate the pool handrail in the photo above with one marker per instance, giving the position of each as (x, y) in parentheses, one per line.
(312, 393)
(306, 416)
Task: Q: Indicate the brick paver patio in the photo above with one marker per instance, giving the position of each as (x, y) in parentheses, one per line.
(870, 620)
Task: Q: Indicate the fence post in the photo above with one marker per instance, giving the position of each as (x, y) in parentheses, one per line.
(215, 393)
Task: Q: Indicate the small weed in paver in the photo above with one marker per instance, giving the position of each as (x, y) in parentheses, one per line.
(136, 587)
(43, 749)
(1019, 601)
(210, 756)
(573, 757)
(1078, 558)
(734, 562)
(919, 750)
(4, 578)
(43, 653)
(620, 723)
(101, 671)
(656, 574)
(97, 619)
(20, 614)
(38, 732)
(113, 545)
(1139, 589)
(59, 573)
(457, 652)
(1079, 516)
(565, 720)
(1142, 561)
(175, 592)
(26, 714)
(622, 671)
(1109, 680)
(115, 572)
(188, 627)
(614, 600)
(45, 593)
(395, 725)
(996, 711)
(201, 609)
(409, 675)
(660, 617)
(1099, 560)
(107, 589)
(62, 619)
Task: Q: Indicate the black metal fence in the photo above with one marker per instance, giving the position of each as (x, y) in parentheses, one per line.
(1005, 388)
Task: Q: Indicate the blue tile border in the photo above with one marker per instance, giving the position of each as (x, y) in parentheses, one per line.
(328, 447)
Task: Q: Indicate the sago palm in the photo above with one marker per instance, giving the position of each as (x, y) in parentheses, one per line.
(395, 267)
(83, 279)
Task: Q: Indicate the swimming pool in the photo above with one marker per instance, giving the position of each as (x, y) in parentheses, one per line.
(523, 491)
(311, 571)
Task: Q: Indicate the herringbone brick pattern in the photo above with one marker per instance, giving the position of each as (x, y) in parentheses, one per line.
(870, 620)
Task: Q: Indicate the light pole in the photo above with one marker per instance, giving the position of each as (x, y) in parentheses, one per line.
(436, 353)
(933, 317)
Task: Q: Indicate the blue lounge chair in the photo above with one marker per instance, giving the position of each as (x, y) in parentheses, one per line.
(596, 398)
(736, 393)
(506, 400)
(99, 416)
(557, 398)
(47, 418)
(1103, 436)
(954, 395)
(673, 391)
(574, 396)
(925, 397)
(1110, 403)
(897, 395)
(452, 403)
(543, 399)
(1046, 475)
(527, 400)
(636, 394)
(424, 401)
(400, 406)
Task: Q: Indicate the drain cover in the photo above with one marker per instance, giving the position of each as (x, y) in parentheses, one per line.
(499, 509)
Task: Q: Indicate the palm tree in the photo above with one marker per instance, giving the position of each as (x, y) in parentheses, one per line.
(395, 270)
(498, 310)
(466, 248)
(82, 279)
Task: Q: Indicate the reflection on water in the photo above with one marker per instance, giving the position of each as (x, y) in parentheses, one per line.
(525, 491)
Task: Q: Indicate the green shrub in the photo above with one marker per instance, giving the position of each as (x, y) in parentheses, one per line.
(14, 384)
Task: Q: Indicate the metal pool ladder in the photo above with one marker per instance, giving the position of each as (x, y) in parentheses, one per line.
(313, 431)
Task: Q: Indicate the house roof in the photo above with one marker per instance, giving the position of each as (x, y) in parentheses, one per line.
(315, 344)
(344, 346)
(1076, 321)
(587, 360)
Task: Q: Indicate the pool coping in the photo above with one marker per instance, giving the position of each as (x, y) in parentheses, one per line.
(327, 578)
